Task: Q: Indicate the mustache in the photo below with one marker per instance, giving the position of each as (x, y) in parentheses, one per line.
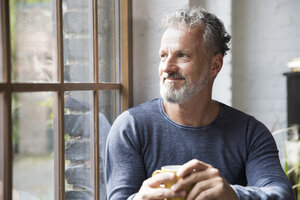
(173, 75)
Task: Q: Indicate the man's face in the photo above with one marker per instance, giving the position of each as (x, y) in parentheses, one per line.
(183, 65)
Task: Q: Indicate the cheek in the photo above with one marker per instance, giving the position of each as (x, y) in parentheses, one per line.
(195, 71)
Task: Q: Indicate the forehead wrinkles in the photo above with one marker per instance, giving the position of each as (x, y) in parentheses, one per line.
(185, 40)
(176, 48)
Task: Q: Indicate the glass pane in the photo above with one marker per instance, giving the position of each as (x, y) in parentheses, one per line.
(33, 42)
(79, 129)
(33, 136)
(108, 40)
(1, 144)
(108, 111)
(78, 40)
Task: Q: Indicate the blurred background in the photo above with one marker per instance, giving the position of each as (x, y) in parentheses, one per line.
(260, 76)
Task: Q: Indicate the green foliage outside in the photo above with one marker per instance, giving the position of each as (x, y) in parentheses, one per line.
(293, 173)
(291, 152)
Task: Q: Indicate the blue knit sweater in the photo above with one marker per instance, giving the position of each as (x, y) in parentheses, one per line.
(144, 138)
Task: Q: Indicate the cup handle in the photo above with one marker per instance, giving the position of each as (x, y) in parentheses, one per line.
(156, 172)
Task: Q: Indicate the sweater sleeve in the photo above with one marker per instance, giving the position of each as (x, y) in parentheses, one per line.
(124, 163)
(265, 176)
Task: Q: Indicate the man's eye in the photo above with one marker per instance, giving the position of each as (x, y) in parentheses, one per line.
(163, 55)
(182, 55)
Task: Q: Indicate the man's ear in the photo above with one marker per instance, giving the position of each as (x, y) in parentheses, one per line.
(216, 64)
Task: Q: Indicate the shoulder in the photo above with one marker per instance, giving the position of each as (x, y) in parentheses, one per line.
(253, 128)
(146, 109)
(234, 113)
(258, 138)
(123, 133)
(139, 112)
(237, 116)
(129, 121)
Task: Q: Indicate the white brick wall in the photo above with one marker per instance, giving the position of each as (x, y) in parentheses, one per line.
(266, 37)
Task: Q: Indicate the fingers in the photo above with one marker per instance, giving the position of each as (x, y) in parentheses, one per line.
(158, 193)
(194, 172)
(151, 188)
(160, 178)
(207, 194)
(216, 188)
(196, 177)
(206, 180)
(203, 189)
(190, 167)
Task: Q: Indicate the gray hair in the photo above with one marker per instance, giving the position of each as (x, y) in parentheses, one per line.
(215, 36)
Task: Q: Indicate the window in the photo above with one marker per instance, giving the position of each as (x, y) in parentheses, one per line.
(64, 77)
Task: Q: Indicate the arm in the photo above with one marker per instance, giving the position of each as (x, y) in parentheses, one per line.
(265, 176)
(125, 174)
(124, 163)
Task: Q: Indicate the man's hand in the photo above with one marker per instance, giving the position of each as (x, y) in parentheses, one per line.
(207, 181)
(151, 189)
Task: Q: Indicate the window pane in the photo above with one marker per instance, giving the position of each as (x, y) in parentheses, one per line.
(33, 42)
(33, 136)
(1, 144)
(108, 107)
(108, 40)
(78, 40)
(79, 129)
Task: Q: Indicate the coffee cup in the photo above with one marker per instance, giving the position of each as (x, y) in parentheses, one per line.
(169, 184)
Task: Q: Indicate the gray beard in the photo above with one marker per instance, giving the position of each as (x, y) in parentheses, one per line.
(178, 96)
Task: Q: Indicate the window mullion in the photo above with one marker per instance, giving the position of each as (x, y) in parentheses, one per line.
(6, 41)
(8, 149)
(96, 101)
(126, 53)
(7, 137)
(59, 133)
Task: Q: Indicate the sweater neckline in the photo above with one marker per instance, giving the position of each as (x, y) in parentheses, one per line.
(219, 116)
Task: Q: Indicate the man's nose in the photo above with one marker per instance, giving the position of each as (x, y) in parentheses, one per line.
(169, 65)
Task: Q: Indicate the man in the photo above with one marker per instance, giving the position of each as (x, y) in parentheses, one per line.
(225, 153)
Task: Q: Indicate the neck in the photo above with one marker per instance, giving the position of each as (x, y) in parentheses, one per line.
(198, 111)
